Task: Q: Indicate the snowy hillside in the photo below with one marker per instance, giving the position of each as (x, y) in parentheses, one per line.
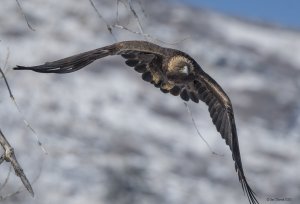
(112, 138)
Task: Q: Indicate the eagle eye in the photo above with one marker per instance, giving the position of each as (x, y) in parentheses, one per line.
(184, 69)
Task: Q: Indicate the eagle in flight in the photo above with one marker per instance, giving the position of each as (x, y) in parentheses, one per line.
(174, 72)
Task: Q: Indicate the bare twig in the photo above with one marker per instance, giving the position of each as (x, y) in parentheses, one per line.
(194, 123)
(25, 17)
(19, 110)
(118, 1)
(6, 59)
(136, 17)
(141, 32)
(21, 189)
(148, 35)
(6, 179)
(130, 8)
(109, 27)
(9, 156)
(142, 8)
(8, 87)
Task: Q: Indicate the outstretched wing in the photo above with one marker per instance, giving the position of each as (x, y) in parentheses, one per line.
(144, 57)
(147, 58)
(206, 89)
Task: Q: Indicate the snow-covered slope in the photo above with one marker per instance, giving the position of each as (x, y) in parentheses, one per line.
(112, 138)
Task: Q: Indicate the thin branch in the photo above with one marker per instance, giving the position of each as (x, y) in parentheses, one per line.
(19, 110)
(25, 17)
(136, 17)
(109, 28)
(21, 189)
(194, 123)
(130, 7)
(148, 35)
(6, 179)
(9, 156)
(6, 58)
(117, 16)
(2, 198)
(6, 83)
(142, 8)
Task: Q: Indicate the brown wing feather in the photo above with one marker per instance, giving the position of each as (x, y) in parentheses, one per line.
(204, 88)
(72, 63)
(76, 62)
(148, 64)
(145, 57)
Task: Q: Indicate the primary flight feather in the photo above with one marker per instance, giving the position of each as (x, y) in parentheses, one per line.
(174, 72)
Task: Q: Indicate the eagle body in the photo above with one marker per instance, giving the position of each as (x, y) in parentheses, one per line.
(174, 72)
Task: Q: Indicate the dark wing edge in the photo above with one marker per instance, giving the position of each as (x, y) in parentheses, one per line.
(76, 62)
(221, 112)
(71, 64)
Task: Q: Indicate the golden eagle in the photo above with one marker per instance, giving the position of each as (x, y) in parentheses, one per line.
(174, 72)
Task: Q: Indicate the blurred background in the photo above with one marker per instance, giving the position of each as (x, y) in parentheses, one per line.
(112, 138)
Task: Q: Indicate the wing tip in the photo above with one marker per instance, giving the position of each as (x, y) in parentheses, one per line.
(248, 191)
(18, 67)
(41, 68)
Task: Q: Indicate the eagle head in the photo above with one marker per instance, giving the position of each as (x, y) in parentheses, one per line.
(179, 69)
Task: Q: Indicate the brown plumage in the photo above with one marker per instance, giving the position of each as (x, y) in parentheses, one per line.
(173, 72)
